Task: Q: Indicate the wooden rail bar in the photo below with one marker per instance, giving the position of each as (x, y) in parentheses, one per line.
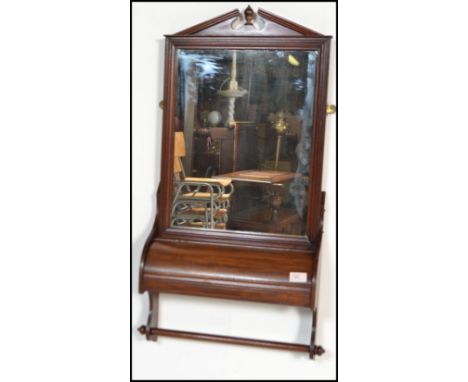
(230, 340)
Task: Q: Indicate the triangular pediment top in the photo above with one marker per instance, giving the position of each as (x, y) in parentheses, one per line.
(288, 24)
(270, 25)
(208, 24)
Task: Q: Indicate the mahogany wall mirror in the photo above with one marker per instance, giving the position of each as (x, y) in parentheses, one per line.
(240, 204)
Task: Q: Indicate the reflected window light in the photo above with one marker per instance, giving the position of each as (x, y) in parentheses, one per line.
(292, 60)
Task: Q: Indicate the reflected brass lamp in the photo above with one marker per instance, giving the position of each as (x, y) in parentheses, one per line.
(233, 91)
(281, 127)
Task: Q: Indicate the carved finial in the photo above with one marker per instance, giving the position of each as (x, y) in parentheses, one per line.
(250, 18)
(317, 350)
(249, 15)
(142, 329)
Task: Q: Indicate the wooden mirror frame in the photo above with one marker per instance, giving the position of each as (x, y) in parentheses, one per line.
(158, 273)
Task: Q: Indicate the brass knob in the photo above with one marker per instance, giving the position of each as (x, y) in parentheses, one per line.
(331, 109)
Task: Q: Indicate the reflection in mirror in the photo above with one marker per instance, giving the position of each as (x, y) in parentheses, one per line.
(243, 138)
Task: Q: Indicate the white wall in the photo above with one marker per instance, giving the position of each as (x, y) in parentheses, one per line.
(174, 358)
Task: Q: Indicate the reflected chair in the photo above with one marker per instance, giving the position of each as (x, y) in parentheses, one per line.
(198, 202)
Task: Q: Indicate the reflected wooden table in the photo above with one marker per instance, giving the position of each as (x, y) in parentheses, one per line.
(261, 176)
(258, 202)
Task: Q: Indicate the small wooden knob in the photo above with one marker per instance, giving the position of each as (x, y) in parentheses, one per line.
(318, 350)
(249, 15)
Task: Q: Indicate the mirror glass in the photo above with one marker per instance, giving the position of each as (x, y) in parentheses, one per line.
(243, 131)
